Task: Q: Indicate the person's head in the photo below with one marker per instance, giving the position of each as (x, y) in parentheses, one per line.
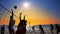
(3, 25)
(50, 24)
(55, 24)
(39, 25)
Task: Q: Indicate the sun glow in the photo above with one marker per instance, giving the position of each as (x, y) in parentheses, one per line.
(26, 4)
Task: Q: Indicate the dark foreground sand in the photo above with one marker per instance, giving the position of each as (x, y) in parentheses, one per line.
(32, 32)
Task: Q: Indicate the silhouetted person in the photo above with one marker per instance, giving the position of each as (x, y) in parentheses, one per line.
(11, 23)
(51, 28)
(2, 29)
(21, 26)
(57, 27)
(41, 29)
(33, 28)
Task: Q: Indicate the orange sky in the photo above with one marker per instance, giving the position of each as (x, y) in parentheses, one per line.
(33, 21)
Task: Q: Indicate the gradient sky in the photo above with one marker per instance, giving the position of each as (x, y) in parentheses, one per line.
(38, 12)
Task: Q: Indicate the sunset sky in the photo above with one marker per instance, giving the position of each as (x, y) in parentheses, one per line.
(36, 11)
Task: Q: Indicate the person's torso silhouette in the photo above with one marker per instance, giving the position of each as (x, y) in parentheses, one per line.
(51, 28)
(41, 29)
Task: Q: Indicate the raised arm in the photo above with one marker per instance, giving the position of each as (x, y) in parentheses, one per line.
(20, 16)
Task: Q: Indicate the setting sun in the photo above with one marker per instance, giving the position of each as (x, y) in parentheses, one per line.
(26, 4)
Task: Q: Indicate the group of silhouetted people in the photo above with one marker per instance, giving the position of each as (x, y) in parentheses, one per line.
(52, 31)
(57, 28)
(21, 29)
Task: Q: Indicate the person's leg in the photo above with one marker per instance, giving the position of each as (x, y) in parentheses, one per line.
(1, 32)
(12, 31)
(57, 32)
(43, 32)
(51, 31)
